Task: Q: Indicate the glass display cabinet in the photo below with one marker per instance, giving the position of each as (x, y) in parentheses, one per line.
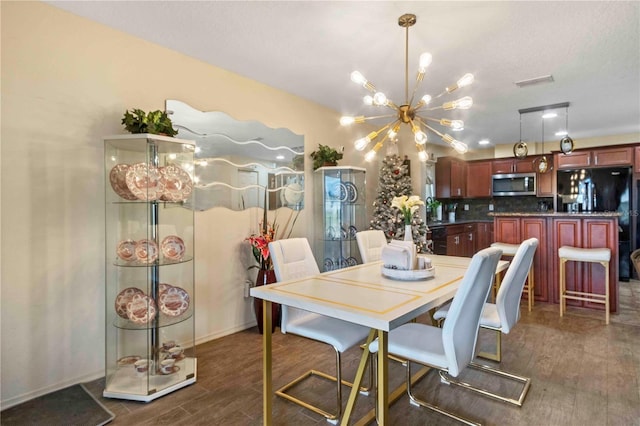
(150, 333)
(340, 212)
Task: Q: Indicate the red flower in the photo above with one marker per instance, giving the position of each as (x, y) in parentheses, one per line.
(260, 245)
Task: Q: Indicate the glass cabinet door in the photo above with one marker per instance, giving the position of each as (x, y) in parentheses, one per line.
(149, 266)
(340, 213)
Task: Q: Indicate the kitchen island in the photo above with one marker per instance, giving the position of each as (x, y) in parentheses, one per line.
(554, 230)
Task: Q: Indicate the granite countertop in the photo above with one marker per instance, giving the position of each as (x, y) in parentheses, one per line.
(457, 222)
(557, 214)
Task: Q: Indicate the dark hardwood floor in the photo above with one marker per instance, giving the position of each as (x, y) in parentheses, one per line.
(583, 373)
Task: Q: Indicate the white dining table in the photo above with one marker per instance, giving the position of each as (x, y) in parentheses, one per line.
(362, 295)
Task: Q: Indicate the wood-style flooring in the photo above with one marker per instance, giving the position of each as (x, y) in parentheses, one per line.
(583, 373)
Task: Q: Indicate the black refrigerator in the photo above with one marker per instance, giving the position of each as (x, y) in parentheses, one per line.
(605, 189)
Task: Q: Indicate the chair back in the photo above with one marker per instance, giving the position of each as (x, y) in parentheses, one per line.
(460, 330)
(292, 258)
(510, 292)
(370, 244)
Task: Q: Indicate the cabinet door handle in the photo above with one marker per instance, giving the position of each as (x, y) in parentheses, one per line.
(470, 237)
(589, 161)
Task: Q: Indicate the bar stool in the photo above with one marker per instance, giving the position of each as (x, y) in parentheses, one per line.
(576, 254)
(510, 250)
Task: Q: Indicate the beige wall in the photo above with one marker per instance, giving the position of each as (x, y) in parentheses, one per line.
(66, 82)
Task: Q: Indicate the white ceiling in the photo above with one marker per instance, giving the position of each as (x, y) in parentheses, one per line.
(309, 49)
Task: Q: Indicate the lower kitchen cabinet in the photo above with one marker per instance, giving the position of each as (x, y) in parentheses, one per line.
(455, 240)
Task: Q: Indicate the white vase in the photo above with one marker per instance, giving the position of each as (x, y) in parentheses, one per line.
(408, 235)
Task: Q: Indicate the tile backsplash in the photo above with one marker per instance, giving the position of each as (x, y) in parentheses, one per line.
(479, 207)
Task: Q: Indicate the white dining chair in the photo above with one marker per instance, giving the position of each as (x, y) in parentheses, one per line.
(292, 258)
(452, 347)
(370, 244)
(502, 316)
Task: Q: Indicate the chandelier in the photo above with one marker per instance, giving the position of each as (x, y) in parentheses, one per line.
(407, 112)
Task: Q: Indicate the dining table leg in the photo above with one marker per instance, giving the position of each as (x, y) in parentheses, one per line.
(383, 377)
(267, 385)
(357, 382)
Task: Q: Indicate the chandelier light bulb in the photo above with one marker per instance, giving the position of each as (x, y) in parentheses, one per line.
(369, 156)
(420, 137)
(380, 99)
(460, 147)
(422, 156)
(426, 99)
(346, 120)
(368, 100)
(453, 124)
(425, 61)
(465, 80)
(358, 78)
(361, 144)
(462, 103)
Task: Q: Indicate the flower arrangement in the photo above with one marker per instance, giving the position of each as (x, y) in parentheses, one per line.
(260, 245)
(407, 206)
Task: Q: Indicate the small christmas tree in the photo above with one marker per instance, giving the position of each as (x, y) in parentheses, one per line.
(395, 181)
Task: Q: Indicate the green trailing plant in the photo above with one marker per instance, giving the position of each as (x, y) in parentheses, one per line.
(155, 122)
(325, 155)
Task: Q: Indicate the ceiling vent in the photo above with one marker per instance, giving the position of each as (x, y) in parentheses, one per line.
(536, 80)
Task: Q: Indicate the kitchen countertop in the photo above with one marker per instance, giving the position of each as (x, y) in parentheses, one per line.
(457, 222)
(557, 214)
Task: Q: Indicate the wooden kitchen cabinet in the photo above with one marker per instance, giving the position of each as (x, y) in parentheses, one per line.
(478, 179)
(455, 240)
(484, 235)
(618, 156)
(546, 182)
(512, 165)
(514, 230)
(636, 169)
(450, 178)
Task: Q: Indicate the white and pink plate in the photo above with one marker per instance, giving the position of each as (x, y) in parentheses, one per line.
(141, 309)
(118, 180)
(144, 181)
(123, 298)
(174, 302)
(176, 182)
(172, 247)
(126, 250)
(146, 251)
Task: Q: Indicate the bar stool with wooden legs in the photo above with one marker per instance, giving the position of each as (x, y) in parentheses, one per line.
(509, 250)
(576, 254)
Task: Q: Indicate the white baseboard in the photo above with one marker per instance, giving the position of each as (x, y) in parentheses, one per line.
(226, 332)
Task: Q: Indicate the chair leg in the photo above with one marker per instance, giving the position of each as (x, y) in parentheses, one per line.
(563, 284)
(530, 289)
(332, 418)
(493, 356)
(526, 381)
(418, 402)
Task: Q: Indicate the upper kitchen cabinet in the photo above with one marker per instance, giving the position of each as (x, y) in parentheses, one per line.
(450, 178)
(479, 179)
(546, 183)
(636, 169)
(512, 165)
(618, 156)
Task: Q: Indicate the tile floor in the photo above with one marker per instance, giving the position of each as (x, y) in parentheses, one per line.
(583, 373)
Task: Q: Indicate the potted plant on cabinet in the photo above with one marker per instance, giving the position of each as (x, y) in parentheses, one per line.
(155, 122)
(325, 156)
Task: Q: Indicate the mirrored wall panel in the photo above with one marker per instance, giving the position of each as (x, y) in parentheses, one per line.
(241, 164)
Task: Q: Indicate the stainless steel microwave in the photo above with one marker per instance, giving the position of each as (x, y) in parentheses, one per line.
(513, 184)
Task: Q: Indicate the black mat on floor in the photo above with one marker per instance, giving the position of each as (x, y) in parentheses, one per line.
(70, 406)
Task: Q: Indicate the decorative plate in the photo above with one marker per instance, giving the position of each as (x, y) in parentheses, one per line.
(172, 247)
(520, 150)
(292, 194)
(144, 182)
(124, 297)
(128, 360)
(352, 192)
(328, 264)
(411, 275)
(174, 302)
(352, 231)
(118, 180)
(566, 145)
(338, 192)
(343, 233)
(126, 250)
(142, 309)
(331, 233)
(343, 262)
(162, 287)
(146, 251)
(351, 261)
(177, 183)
